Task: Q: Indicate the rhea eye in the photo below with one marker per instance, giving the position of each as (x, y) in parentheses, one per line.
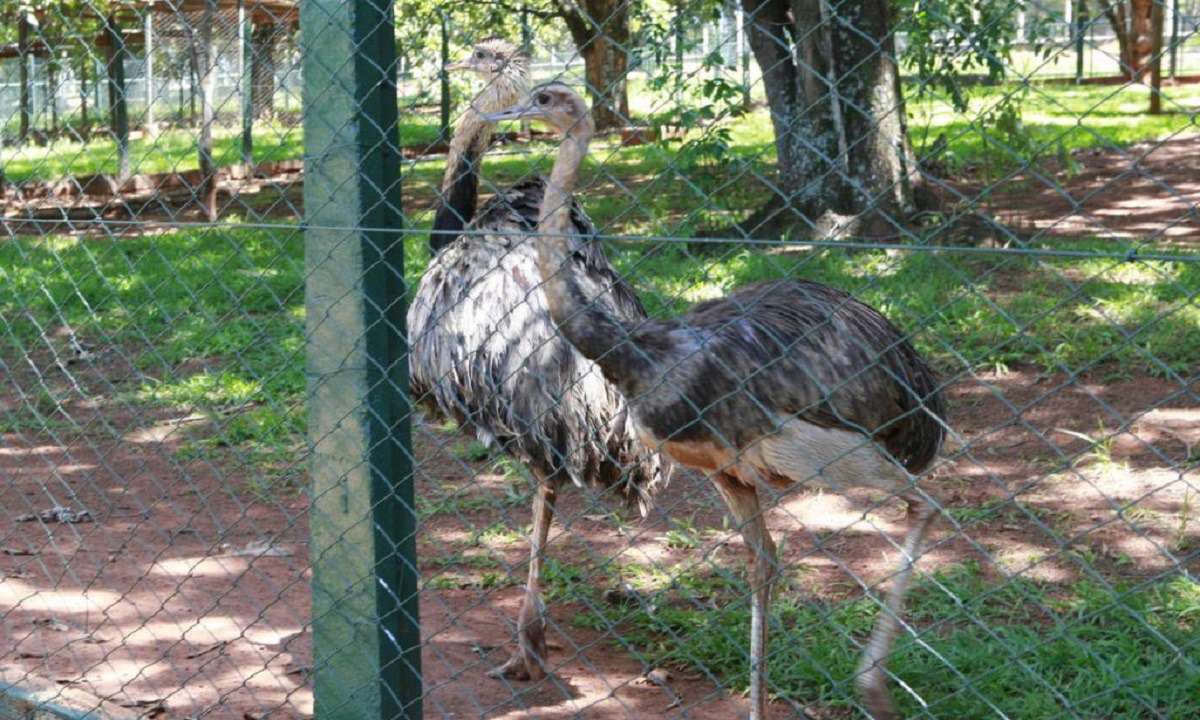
(543, 99)
(478, 54)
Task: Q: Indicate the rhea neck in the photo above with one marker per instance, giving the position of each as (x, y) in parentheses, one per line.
(554, 217)
(472, 135)
(587, 325)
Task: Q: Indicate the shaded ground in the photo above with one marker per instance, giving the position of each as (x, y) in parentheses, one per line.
(1147, 191)
(187, 595)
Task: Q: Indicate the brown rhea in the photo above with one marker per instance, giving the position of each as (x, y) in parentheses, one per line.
(776, 385)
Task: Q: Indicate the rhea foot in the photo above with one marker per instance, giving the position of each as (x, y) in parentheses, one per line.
(526, 661)
(878, 701)
(518, 667)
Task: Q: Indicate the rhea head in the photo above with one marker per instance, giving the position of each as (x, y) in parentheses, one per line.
(493, 58)
(554, 104)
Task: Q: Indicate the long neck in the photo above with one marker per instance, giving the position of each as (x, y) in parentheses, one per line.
(472, 136)
(460, 184)
(587, 324)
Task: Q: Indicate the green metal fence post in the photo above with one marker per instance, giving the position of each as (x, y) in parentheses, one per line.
(366, 632)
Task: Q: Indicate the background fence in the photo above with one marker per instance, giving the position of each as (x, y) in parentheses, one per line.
(217, 500)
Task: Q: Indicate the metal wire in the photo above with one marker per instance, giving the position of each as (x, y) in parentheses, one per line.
(199, 517)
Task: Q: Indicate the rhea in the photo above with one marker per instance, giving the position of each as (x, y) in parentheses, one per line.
(776, 385)
(504, 69)
(485, 352)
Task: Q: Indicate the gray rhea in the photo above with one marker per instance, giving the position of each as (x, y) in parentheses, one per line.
(484, 351)
(775, 385)
(504, 69)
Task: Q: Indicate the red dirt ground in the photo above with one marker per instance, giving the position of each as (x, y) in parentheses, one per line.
(188, 596)
(1147, 191)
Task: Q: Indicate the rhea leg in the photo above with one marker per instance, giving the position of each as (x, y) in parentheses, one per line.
(872, 680)
(527, 660)
(742, 501)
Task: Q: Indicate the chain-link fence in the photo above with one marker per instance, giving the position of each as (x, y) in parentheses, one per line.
(313, 404)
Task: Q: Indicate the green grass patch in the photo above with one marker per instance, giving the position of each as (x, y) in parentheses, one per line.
(212, 319)
(1054, 119)
(1018, 647)
(174, 150)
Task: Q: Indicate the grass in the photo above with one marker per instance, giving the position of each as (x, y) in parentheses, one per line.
(213, 319)
(1055, 119)
(1026, 649)
(174, 150)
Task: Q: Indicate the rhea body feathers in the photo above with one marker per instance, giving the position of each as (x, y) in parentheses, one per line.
(743, 368)
(487, 353)
(777, 384)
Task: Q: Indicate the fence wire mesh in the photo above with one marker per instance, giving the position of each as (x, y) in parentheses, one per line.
(223, 495)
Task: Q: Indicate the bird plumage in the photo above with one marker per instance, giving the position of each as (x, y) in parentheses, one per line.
(775, 385)
(485, 351)
(773, 351)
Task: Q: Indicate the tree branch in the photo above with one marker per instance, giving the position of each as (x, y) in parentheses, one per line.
(510, 7)
(580, 31)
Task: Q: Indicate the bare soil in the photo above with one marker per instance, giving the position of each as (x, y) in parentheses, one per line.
(1147, 191)
(187, 595)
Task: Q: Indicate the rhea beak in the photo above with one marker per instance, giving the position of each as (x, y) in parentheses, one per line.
(460, 65)
(516, 112)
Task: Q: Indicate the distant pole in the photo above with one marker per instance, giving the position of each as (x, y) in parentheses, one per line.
(118, 107)
(744, 51)
(83, 94)
(1174, 38)
(445, 77)
(245, 91)
(52, 90)
(679, 40)
(1156, 53)
(23, 74)
(100, 70)
(148, 67)
(1080, 31)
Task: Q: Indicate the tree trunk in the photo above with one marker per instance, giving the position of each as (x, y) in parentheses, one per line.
(833, 90)
(600, 30)
(204, 64)
(23, 74)
(1133, 23)
(605, 67)
(1156, 52)
(117, 107)
(264, 43)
